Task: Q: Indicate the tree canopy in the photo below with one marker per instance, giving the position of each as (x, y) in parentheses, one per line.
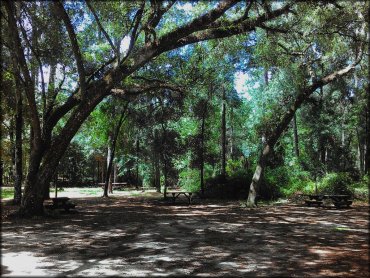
(153, 89)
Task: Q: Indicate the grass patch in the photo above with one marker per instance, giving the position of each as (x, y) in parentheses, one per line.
(90, 191)
(342, 229)
(7, 192)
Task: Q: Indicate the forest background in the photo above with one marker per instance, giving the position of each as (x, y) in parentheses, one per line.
(288, 97)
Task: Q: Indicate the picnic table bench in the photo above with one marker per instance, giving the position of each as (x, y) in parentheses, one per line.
(115, 185)
(338, 200)
(177, 193)
(61, 203)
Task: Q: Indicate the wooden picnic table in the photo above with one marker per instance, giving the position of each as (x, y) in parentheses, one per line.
(115, 185)
(339, 200)
(61, 202)
(176, 194)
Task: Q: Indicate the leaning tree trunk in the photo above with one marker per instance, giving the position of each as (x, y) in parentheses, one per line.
(283, 124)
(111, 152)
(46, 154)
(18, 147)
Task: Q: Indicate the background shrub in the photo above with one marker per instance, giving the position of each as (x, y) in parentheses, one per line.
(336, 183)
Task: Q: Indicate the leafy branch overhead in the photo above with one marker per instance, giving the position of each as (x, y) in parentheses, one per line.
(210, 89)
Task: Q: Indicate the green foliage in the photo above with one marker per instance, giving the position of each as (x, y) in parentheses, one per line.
(336, 183)
(189, 180)
(361, 188)
(7, 192)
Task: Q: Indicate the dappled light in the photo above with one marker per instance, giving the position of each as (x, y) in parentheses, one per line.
(135, 236)
(184, 138)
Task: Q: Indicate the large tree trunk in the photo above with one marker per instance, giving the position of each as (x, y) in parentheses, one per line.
(156, 157)
(111, 152)
(18, 146)
(45, 156)
(367, 132)
(165, 178)
(202, 153)
(1, 141)
(108, 182)
(361, 152)
(157, 175)
(283, 124)
(12, 147)
(295, 132)
(137, 163)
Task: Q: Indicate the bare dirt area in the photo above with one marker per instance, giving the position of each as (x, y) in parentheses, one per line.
(145, 236)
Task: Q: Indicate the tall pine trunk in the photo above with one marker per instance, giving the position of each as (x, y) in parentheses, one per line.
(223, 135)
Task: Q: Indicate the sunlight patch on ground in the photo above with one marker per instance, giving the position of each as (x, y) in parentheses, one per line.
(241, 267)
(26, 263)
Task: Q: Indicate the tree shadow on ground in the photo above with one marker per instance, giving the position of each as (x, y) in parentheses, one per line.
(146, 237)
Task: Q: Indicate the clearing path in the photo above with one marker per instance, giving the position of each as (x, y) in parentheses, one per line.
(136, 236)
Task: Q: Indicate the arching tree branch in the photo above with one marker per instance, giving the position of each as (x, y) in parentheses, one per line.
(61, 12)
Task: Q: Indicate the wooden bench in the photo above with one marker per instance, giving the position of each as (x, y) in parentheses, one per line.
(313, 202)
(115, 185)
(61, 203)
(176, 194)
(343, 204)
(339, 201)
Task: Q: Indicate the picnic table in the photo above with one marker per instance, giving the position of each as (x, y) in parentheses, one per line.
(177, 193)
(61, 203)
(115, 185)
(337, 199)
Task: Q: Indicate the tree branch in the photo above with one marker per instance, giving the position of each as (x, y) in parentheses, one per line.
(230, 30)
(136, 89)
(199, 23)
(100, 26)
(136, 22)
(29, 85)
(61, 12)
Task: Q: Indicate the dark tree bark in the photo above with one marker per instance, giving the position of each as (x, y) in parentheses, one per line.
(223, 135)
(284, 123)
(1, 140)
(165, 159)
(157, 170)
(202, 151)
(367, 132)
(18, 145)
(137, 162)
(108, 182)
(295, 132)
(231, 124)
(111, 153)
(12, 147)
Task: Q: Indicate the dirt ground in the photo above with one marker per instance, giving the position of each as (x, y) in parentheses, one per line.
(137, 236)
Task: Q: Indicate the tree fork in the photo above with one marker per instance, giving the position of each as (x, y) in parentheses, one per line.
(285, 120)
